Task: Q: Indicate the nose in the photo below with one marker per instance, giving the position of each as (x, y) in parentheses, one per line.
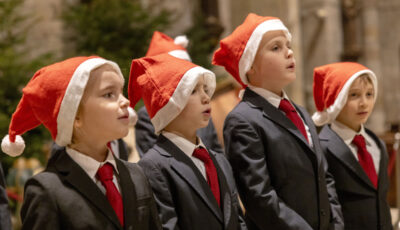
(124, 102)
(205, 97)
(290, 53)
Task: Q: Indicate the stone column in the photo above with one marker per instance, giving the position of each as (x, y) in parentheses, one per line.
(372, 60)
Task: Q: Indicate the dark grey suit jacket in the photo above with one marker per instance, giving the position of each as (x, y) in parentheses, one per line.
(364, 207)
(64, 197)
(5, 216)
(183, 197)
(282, 181)
(146, 138)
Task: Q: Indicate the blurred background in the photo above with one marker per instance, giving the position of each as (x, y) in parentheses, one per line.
(34, 33)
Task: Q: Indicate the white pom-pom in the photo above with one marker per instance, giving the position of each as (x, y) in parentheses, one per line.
(182, 41)
(132, 116)
(320, 118)
(13, 148)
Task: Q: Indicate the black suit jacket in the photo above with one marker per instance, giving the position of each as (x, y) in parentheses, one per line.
(146, 138)
(5, 217)
(282, 181)
(64, 197)
(364, 207)
(183, 197)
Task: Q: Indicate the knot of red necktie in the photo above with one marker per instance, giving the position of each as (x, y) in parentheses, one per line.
(105, 175)
(292, 114)
(211, 171)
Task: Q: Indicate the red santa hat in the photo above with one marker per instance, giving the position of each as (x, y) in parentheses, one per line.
(52, 98)
(331, 86)
(162, 43)
(238, 50)
(165, 83)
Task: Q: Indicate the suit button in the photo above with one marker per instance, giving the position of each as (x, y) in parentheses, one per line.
(323, 213)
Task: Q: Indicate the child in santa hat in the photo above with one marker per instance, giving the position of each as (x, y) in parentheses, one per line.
(144, 130)
(270, 142)
(344, 95)
(193, 185)
(84, 186)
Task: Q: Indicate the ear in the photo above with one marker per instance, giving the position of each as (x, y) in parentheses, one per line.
(77, 122)
(250, 73)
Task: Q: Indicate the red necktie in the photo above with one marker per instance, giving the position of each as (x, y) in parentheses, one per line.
(105, 175)
(292, 114)
(365, 159)
(211, 171)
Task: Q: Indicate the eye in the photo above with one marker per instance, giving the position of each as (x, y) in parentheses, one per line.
(370, 94)
(109, 95)
(275, 48)
(353, 95)
(194, 91)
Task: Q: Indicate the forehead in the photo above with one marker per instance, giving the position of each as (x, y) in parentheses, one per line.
(362, 81)
(104, 74)
(273, 35)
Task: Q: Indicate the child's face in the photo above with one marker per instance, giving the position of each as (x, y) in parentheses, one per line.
(274, 65)
(103, 112)
(196, 113)
(359, 105)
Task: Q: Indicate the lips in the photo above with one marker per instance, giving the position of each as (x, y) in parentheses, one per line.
(292, 66)
(126, 116)
(207, 111)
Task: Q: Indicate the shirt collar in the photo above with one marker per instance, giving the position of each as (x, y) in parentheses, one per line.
(90, 165)
(183, 144)
(271, 97)
(347, 134)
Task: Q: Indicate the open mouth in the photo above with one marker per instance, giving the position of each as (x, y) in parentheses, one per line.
(126, 116)
(292, 66)
(208, 111)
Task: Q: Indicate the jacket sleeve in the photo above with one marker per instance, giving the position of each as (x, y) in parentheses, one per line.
(245, 150)
(337, 222)
(5, 216)
(162, 195)
(144, 132)
(39, 211)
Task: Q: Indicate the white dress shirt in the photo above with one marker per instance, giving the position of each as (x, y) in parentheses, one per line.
(348, 135)
(275, 100)
(188, 148)
(90, 166)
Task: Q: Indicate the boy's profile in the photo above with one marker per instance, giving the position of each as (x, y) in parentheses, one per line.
(193, 185)
(271, 142)
(84, 186)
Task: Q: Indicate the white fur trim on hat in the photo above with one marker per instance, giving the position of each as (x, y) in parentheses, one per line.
(133, 118)
(182, 41)
(179, 98)
(328, 115)
(182, 54)
(73, 95)
(250, 51)
(13, 148)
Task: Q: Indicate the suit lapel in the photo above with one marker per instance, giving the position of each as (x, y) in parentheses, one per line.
(272, 113)
(312, 130)
(342, 152)
(73, 174)
(226, 203)
(128, 193)
(185, 168)
(383, 163)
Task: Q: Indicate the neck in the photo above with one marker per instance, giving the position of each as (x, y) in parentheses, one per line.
(188, 135)
(95, 151)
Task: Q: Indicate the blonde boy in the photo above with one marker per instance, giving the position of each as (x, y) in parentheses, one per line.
(272, 143)
(84, 186)
(345, 94)
(193, 186)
